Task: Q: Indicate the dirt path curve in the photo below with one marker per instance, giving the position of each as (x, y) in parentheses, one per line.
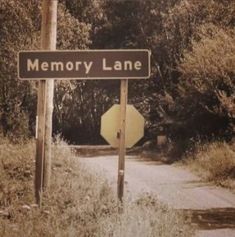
(213, 208)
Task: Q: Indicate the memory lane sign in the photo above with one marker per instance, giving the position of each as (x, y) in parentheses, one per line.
(84, 64)
(123, 64)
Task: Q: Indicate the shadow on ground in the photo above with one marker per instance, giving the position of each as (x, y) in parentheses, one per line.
(216, 218)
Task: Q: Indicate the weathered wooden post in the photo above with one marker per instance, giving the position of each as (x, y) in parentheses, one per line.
(45, 102)
(122, 136)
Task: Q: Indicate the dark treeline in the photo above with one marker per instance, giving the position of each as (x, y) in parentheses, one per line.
(191, 93)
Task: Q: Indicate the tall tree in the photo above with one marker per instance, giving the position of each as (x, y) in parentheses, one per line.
(20, 30)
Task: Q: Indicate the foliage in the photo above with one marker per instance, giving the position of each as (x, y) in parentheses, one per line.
(138, 24)
(214, 162)
(208, 80)
(191, 90)
(199, 38)
(78, 109)
(78, 203)
(17, 23)
(20, 30)
(16, 164)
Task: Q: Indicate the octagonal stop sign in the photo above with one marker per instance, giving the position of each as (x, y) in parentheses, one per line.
(110, 126)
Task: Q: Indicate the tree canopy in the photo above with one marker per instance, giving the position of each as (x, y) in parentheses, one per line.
(191, 92)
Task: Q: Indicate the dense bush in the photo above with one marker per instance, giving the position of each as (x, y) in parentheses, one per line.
(214, 162)
(208, 80)
(20, 30)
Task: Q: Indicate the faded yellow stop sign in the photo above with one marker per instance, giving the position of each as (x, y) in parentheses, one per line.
(110, 126)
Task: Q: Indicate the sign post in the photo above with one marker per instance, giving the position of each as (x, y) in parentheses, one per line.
(122, 126)
(122, 136)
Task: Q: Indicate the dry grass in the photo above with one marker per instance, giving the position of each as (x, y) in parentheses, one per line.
(148, 217)
(214, 162)
(77, 204)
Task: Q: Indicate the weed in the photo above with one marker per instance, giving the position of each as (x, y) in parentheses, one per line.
(78, 203)
(214, 161)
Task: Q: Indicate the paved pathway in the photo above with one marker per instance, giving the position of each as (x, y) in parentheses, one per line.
(213, 207)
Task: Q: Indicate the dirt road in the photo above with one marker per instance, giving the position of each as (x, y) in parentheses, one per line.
(213, 208)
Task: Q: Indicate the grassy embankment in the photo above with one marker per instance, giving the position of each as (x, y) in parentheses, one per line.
(78, 203)
(214, 162)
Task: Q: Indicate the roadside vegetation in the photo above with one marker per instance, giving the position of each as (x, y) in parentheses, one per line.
(78, 203)
(214, 162)
(190, 96)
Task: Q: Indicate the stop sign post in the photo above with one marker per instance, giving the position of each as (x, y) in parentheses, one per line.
(122, 126)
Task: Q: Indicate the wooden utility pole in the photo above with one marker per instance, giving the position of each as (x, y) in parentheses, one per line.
(122, 135)
(45, 102)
